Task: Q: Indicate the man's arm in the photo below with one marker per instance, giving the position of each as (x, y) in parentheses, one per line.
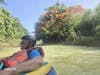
(29, 65)
(1, 59)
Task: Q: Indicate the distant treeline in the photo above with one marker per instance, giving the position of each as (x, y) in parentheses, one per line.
(70, 25)
(11, 29)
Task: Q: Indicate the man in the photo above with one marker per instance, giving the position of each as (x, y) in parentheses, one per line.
(35, 58)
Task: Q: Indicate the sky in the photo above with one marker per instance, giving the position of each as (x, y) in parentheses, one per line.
(29, 11)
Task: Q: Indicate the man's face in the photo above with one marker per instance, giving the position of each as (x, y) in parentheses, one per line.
(24, 44)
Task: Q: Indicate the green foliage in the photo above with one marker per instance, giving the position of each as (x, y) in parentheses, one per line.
(97, 29)
(86, 27)
(2, 1)
(62, 23)
(10, 28)
(57, 23)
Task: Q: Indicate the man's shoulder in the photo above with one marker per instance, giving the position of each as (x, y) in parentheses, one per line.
(33, 54)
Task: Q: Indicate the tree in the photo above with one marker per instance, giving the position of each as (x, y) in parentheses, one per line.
(96, 21)
(97, 30)
(10, 28)
(57, 23)
(86, 25)
(90, 22)
(2, 2)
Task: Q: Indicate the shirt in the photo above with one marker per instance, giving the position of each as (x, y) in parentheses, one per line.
(33, 54)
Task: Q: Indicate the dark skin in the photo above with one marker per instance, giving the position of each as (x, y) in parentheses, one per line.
(29, 65)
(24, 44)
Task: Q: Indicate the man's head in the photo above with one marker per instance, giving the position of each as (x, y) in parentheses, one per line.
(27, 42)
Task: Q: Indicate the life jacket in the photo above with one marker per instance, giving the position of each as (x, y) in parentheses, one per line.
(20, 57)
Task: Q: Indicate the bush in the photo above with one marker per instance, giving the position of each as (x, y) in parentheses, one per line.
(85, 40)
(97, 29)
